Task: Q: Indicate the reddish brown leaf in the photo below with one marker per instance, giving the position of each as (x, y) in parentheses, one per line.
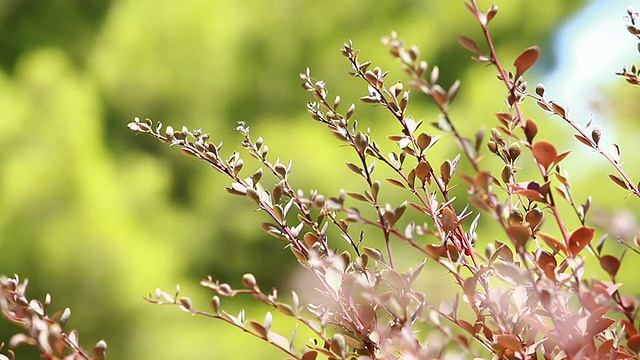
(259, 329)
(547, 263)
(543, 105)
(534, 217)
(396, 182)
(596, 314)
(623, 355)
(504, 117)
(423, 171)
(424, 140)
(600, 325)
(449, 220)
(551, 241)
(588, 301)
(435, 251)
(438, 94)
(610, 264)
(544, 152)
(629, 328)
(580, 238)
(310, 355)
(509, 342)
(618, 180)
(562, 156)
(530, 194)
(530, 130)
(634, 343)
(584, 140)
(468, 44)
(310, 239)
(519, 234)
(558, 110)
(526, 59)
(466, 325)
(604, 349)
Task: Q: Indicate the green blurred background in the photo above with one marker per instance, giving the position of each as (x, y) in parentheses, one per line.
(99, 217)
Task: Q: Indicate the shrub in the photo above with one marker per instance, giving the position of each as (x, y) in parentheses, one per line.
(523, 297)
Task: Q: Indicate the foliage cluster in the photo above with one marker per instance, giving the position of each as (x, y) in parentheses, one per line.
(525, 296)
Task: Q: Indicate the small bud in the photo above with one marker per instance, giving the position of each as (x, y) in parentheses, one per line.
(248, 280)
(540, 90)
(65, 317)
(414, 52)
(596, 134)
(489, 250)
(224, 289)
(361, 142)
(318, 201)
(185, 304)
(100, 350)
(497, 136)
(169, 132)
(514, 151)
(214, 304)
(491, 145)
(505, 174)
(515, 217)
(338, 344)
(534, 217)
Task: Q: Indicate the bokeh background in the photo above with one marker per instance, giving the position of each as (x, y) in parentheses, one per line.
(99, 217)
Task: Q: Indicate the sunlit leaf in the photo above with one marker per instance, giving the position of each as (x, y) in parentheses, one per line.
(618, 180)
(468, 44)
(510, 342)
(544, 152)
(610, 264)
(580, 238)
(526, 59)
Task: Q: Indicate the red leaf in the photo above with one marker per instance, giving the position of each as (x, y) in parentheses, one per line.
(559, 110)
(532, 195)
(468, 44)
(604, 349)
(580, 238)
(466, 325)
(562, 156)
(551, 241)
(544, 152)
(610, 264)
(634, 343)
(584, 140)
(616, 179)
(519, 234)
(629, 328)
(600, 325)
(526, 59)
(310, 355)
(260, 330)
(509, 342)
(396, 182)
(547, 263)
(530, 130)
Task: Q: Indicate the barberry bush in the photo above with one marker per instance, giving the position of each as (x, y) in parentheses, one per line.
(524, 293)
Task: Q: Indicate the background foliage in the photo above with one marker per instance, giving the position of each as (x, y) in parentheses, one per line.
(100, 218)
